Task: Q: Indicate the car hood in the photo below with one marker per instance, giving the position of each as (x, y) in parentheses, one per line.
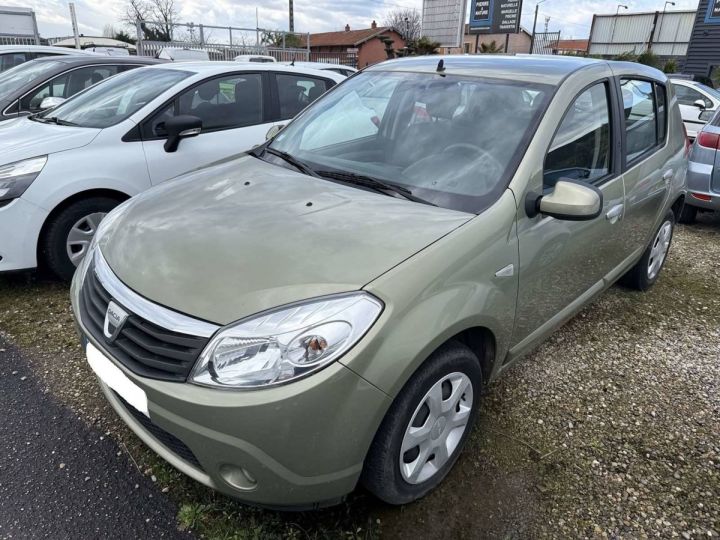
(243, 236)
(23, 138)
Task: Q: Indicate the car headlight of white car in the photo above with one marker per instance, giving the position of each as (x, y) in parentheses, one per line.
(16, 177)
(285, 344)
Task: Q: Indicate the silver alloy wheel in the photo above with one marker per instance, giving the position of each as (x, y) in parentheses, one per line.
(436, 428)
(80, 236)
(659, 249)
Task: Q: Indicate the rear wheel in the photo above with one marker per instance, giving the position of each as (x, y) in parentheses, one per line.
(426, 427)
(67, 237)
(645, 273)
(688, 214)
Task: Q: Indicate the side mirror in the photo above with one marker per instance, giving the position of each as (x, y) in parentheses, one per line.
(50, 103)
(570, 200)
(700, 104)
(273, 131)
(181, 127)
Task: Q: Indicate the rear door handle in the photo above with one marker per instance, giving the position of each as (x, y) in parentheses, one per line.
(615, 213)
(668, 176)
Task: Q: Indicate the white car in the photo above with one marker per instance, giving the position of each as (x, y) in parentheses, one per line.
(14, 55)
(62, 170)
(698, 103)
(337, 68)
(183, 54)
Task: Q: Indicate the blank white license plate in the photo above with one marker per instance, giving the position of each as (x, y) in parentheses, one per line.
(112, 376)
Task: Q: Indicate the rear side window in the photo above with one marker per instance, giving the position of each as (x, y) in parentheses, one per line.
(581, 149)
(10, 60)
(662, 116)
(297, 92)
(641, 129)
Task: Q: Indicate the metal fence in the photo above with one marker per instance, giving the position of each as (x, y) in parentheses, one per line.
(545, 42)
(18, 40)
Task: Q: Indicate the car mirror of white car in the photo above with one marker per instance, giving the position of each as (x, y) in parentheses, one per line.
(50, 103)
(700, 104)
(181, 127)
(273, 131)
(570, 200)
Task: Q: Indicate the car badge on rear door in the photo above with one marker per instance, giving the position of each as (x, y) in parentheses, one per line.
(115, 318)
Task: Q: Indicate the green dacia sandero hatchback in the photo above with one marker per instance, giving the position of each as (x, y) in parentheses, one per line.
(325, 310)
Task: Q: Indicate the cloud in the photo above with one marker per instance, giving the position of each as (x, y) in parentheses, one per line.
(572, 17)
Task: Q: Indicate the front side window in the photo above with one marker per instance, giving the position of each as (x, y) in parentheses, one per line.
(688, 96)
(297, 92)
(454, 141)
(225, 103)
(581, 148)
(25, 73)
(10, 60)
(67, 85)
(639, 106)
(115, 100)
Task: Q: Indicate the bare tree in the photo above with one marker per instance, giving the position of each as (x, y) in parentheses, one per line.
(405, 21)
(161, 14)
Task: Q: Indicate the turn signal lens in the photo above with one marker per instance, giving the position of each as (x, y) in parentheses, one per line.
(709, 140)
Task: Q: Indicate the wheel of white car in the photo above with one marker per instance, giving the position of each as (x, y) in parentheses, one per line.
(645, 273)
(68, 234)
(426, 427)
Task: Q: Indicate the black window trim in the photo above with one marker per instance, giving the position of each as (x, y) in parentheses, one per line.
(627, 165)
(136, 134)
(614, 170)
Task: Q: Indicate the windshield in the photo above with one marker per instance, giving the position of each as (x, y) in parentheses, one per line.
(452, 141)
(17, 77)
(115, 99)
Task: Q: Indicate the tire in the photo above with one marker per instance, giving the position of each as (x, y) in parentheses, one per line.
(688, 215)
(383, 474)
(80, 215)
(645, 273)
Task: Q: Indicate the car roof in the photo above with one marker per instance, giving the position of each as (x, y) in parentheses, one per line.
(209, 67)
(85, 59)
(548, 69)
(318, 65)
(40, 48)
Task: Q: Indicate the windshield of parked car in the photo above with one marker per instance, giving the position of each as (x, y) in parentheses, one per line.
(115, 99)
(452, 141)
(17, 77)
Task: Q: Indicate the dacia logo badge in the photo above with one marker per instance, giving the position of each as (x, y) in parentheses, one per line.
(115, 318)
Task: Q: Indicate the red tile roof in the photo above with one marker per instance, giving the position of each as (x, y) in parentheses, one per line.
(572, 45)
(350, 38)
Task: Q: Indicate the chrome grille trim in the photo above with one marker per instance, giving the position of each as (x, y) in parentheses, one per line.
(154, 313)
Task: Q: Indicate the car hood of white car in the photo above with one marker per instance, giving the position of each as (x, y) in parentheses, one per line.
(23, 138)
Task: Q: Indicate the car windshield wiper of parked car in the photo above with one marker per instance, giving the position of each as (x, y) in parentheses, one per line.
(52, 120)
(373, 183)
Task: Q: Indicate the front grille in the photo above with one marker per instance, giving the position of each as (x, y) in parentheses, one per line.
(143, 347)
(168, 440)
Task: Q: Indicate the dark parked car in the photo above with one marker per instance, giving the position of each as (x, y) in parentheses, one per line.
(24, 88)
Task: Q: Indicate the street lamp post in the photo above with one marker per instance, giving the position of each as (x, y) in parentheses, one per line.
(617, 11)
(532, 38)
(663, 18)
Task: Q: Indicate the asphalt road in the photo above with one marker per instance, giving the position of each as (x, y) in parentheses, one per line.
(60, 478)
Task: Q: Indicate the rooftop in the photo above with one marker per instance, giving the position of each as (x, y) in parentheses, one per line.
(347, 38)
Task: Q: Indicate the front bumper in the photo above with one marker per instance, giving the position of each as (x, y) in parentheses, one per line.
(296, 446)
(20, 225)
(699, 181)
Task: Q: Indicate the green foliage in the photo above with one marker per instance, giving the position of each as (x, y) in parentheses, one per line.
(671, 66)
(423, 46)
(275, 39)
(649, 58)
(715, 77)
(123, 36)
(491, 48)
(626, 57)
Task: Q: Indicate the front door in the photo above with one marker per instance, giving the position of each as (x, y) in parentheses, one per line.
(562, 263)
(233, 109)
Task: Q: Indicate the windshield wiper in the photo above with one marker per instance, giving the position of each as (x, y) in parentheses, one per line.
(58, 121)
(373, 183)
(299, 165)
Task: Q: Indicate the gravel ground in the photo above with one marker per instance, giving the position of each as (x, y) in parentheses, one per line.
(610, 430)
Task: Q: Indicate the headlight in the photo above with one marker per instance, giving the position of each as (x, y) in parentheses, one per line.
(16, 177)
(285, 344)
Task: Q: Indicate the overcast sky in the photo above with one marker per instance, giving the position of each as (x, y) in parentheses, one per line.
(572, 17)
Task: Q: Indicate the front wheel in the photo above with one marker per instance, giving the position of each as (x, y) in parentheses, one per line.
(67, 237)
(426, 427)
(645, 273)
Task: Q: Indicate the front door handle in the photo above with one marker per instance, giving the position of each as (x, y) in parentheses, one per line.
(668, 176)
(615, 213)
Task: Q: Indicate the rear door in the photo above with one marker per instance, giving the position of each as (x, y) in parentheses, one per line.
(234, 109)
(647, 165)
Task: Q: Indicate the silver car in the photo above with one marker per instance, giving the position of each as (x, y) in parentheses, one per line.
(704, 173)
